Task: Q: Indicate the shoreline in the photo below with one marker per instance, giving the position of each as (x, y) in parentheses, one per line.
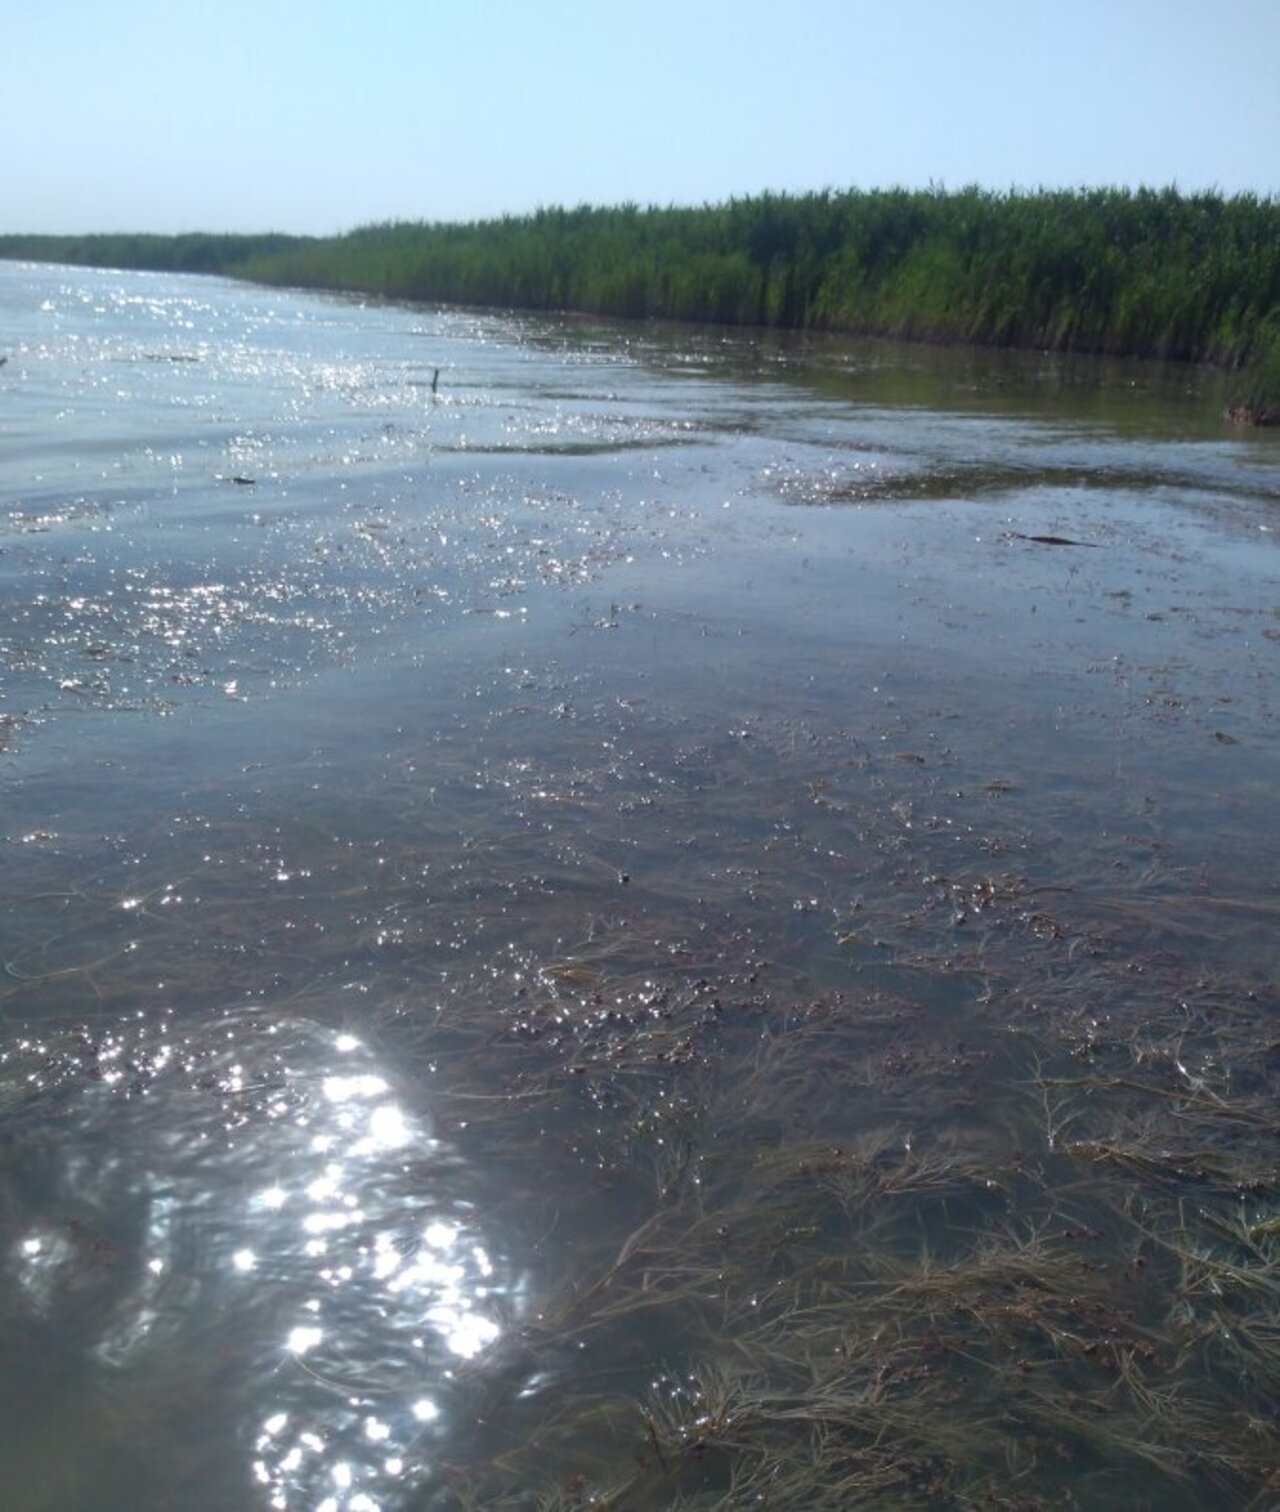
(1104, 272)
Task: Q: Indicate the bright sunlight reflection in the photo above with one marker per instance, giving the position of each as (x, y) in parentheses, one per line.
(436, 1279)
(333, 1243)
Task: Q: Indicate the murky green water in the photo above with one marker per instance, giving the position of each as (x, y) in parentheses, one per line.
(627, 934)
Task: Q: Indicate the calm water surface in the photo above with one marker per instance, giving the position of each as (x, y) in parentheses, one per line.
(629, 931)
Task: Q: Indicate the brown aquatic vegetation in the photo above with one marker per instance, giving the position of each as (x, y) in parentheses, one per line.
(987, 1214)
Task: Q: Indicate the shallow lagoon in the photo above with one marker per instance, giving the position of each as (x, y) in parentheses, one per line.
(625, 934)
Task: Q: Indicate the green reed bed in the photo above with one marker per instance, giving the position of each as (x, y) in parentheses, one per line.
(1147, 273)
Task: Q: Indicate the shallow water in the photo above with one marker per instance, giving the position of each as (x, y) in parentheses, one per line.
(624, 929)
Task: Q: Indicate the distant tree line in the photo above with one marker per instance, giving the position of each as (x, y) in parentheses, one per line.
(1149, 273)
(194, 252)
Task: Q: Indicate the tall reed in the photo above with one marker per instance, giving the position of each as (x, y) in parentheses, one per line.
(1148, 273)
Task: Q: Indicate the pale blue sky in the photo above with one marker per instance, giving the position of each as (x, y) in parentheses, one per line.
(317, 115)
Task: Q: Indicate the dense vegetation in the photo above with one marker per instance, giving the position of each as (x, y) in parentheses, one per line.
(195, 252)
(1145, 273)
